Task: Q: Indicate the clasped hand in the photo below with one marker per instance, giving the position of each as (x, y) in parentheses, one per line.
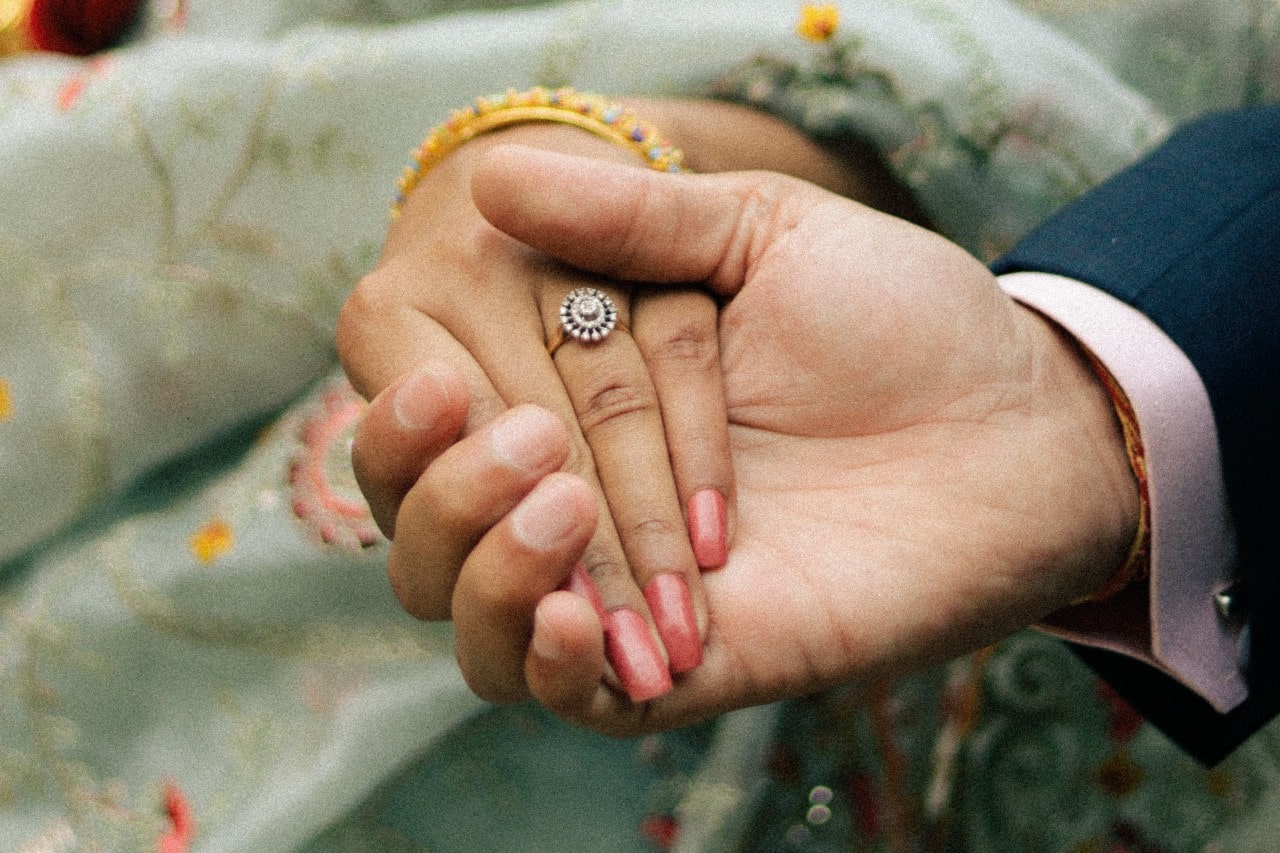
(919, 465)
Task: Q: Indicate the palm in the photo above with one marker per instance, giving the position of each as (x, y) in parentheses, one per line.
(884, 431)
(921, 466)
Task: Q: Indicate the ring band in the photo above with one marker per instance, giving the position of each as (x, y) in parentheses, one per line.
(587, 315)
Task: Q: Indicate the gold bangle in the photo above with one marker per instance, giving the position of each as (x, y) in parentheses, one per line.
(592, 113)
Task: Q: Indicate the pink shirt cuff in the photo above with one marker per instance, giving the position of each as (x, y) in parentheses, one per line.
(1172, 622)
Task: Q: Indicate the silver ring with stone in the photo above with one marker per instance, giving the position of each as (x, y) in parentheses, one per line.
(587, 315)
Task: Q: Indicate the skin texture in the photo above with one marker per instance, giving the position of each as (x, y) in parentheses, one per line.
(922, 466)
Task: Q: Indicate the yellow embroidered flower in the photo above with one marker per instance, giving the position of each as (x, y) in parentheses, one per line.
(6, 401)
(212, 540)
(818, 21)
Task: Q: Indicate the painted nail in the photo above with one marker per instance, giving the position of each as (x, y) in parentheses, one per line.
(580, 583)
(672, 609)
(709, 528)
(545, 643)
(634, 655)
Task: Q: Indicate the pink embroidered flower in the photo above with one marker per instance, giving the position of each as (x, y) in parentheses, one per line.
(325, 493)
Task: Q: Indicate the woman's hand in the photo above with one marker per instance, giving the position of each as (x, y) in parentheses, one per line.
(922, 466)
(453, 289)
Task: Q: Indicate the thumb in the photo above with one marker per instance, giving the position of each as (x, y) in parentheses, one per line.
(637, 224)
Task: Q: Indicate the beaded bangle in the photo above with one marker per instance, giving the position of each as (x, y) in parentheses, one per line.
(1137, 564)
(588, 112)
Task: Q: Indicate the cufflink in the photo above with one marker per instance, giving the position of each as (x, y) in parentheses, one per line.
(1230, 601)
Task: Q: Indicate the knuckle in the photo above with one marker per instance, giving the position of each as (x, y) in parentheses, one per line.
(760, 200)
(413, 598)
(579, 458)
(486, 688)
(373, 295)
(495, 600)
(660, 544)
(617, 401)
(450, 509)
(688, 346)
(605, 569)
(636, 238)
(655, 527)
(368, 304)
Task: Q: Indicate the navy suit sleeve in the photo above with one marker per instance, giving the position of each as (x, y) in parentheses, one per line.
(1190, 236)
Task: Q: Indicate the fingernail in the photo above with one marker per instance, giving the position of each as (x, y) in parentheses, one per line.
(629, 646)
(709, 528)
(545, 643)
(543, 520)
(580, 583)
(521, 438)
(420, 398)
(672, 609)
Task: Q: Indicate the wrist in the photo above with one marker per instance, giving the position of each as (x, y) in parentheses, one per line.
(561, 120)
(1106, 506)
(441, 202)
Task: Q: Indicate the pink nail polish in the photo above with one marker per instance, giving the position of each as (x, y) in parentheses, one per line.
(709, 528)
(672, 609)
(580, 583)
(634, 655)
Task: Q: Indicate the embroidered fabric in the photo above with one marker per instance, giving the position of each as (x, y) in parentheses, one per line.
(197, 642)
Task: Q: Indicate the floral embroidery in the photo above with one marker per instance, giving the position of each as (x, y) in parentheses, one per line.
(971, 738)
(212, 540)
(182, 825)
(70, 92)
(325, 493)
(661, 830)
(818, 21)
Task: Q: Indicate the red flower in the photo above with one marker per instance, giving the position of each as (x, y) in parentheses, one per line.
(80, 27)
